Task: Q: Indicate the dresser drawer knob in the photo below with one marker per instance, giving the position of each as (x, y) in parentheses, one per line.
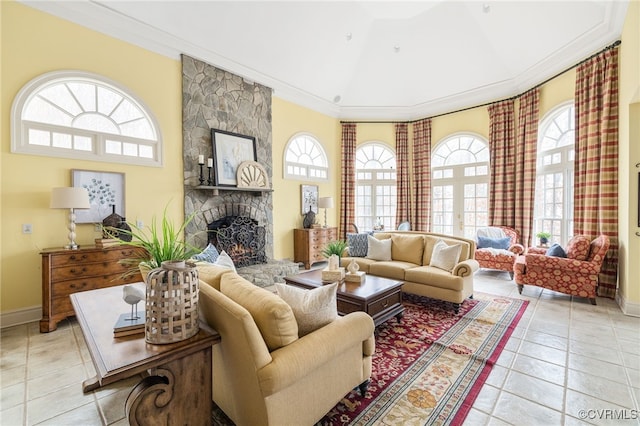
(74, 286)
(74, 257)
(81, 271)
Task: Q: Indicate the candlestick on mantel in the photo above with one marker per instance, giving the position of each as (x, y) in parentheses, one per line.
(201, 178)
(209, 181)
(209, 162)
(200, 159)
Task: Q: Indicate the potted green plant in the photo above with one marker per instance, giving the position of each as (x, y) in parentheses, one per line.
(160, 242)
(334, 247)
(544, 237)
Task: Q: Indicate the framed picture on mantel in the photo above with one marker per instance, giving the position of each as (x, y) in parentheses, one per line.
(229, 151)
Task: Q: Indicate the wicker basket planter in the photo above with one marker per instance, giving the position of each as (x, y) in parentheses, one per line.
(171, 303)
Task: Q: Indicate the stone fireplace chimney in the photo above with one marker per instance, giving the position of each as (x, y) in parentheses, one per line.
(216, 99)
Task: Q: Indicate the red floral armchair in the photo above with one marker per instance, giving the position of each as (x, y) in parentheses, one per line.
(499, 259)
(577, 274)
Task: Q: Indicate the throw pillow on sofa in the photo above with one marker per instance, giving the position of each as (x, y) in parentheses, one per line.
(556, 250)
(357, 244)
(445, 256)
(209, 254)
(496, 243)
(313, 308)
(578, 247)
(378, 249)
(225, 261)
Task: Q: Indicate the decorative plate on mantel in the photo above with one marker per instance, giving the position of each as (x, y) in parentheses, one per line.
(252, 174)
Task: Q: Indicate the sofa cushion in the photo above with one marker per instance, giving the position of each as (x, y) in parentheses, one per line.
(209, 254)
(578, 247)
(407, 248)
(357, 244)
(378, 249)
(211, 274)
(430, 241)
(313, 308)
(496, 243)
(445, 256)
(392, 269)
(434, 277)
(273, 316)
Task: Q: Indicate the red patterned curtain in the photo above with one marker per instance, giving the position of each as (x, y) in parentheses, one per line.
(596, 161)
(403, 185)
(348, 188)
(502, 153)
(421, 217)
(526, 150)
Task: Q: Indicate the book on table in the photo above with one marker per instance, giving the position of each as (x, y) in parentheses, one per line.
(125, 326)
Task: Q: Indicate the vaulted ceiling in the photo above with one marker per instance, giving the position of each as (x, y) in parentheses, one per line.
(367, 59)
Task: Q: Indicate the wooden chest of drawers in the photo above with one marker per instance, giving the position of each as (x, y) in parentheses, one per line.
(309, 243)
(69, 271)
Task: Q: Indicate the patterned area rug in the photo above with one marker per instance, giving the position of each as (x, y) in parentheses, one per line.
(429, 368)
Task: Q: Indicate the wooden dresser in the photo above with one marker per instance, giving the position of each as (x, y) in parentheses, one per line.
(308, 244)
(69, 271)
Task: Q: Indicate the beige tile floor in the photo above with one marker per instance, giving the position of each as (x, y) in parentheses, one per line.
(565, 356)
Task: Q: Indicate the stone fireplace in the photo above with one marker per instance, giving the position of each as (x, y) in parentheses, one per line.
(213, 98)
(233, 229)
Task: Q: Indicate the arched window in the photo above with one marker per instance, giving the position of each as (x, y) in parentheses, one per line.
(79, 115)
(553, 211)
(305, 159)
(375, 186)
(460, 185)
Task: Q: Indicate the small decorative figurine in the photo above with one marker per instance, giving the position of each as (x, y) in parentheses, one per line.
(132, 295)
(333, 262)
(309, 219)
(353, 267)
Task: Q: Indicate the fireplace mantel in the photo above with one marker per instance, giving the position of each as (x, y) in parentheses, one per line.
(216, 189)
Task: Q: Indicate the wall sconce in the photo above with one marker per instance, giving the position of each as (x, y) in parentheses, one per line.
(70, 198)
(325, 203)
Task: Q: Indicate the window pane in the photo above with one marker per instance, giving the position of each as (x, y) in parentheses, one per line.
(39, 137)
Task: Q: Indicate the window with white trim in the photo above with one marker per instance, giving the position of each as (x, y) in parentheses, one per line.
(305, 159)
(553, 212)
(376, 190)
(460, 185)
(80, 115)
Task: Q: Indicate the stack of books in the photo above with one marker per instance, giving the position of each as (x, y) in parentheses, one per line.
(106, 242)
(125, 326)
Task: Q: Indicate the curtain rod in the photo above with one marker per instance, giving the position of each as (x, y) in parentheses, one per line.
(611, 46)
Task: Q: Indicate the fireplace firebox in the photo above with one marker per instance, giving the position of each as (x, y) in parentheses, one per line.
(241, 237)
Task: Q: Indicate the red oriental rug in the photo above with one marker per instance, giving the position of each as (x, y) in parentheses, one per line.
(428, 369)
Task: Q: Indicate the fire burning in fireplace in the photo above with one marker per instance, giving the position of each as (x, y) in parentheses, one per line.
(241, 237)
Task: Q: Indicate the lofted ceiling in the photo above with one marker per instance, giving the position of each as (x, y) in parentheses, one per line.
(367, 59)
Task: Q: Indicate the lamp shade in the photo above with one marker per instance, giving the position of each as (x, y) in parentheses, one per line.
(70, 198)
(325, 202)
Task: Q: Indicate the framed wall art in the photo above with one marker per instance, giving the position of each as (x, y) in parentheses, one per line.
(309, 195)
(106, 190)
(229, 151)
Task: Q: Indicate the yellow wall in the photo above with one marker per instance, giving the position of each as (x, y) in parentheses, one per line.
(629, 156)
(33, 43)
(288, 120)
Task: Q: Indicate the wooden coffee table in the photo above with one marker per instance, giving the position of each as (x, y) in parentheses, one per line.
(379, 297)
(177, 386)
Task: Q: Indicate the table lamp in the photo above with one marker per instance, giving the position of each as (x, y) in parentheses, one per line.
(325, 203)
(70, 198)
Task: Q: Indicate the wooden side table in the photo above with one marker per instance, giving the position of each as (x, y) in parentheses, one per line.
(309, 243)
(177, 389)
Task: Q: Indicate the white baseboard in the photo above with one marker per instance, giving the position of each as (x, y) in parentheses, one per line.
(20, 316)
(628, 308)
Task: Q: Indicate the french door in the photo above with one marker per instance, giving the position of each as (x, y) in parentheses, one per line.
(460, 186)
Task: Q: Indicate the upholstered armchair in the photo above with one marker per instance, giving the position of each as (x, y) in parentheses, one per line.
(577, 274)
(498, 248)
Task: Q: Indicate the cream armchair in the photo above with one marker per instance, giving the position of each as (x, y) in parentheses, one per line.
(263, 374)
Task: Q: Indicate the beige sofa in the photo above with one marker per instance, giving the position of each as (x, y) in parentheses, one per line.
(263, 373)
(410, 259)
